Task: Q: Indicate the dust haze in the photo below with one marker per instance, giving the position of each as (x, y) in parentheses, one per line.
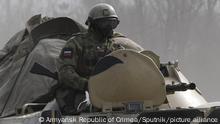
(183, 30)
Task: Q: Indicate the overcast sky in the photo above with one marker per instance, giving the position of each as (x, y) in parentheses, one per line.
(187, 30)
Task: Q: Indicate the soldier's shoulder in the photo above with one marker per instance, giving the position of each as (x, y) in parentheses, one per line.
(80, 35)
(78, 38)
(117, 34)
(126, 42)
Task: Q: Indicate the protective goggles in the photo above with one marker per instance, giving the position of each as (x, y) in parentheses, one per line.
(107, 23)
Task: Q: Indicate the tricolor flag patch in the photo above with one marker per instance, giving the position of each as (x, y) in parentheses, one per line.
(67, 53)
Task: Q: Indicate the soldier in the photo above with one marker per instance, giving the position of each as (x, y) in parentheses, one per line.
(80, 54)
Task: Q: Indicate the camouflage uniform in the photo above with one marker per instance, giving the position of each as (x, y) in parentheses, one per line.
(77, 60)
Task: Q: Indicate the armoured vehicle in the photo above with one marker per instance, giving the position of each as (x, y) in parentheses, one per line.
(127, 86)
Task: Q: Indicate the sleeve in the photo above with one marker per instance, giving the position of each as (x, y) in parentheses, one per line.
(67, 64)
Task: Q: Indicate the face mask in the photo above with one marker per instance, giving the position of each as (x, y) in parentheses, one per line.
(106, 26)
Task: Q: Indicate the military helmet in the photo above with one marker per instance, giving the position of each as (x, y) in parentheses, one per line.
(101, 11)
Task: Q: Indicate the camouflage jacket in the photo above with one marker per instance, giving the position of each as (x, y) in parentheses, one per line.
(79, 56)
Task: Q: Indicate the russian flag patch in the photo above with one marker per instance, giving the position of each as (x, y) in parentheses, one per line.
(67, 53)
